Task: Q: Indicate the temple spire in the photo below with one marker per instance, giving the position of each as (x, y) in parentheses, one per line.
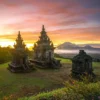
(43, 29)
(19, 35)
(18, 32)
(19, 42)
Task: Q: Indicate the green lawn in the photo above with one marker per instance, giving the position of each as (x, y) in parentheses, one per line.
(13, 83)
(96, 68)
(64, 60)
(21, 84)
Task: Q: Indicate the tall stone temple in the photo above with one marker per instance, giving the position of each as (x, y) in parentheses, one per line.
(20, 61)
(82, 64)
(44, 52)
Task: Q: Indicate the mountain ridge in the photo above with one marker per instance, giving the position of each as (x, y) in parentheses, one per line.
(69, 45)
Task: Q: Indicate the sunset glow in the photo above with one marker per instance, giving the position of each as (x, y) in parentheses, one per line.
(76, 21)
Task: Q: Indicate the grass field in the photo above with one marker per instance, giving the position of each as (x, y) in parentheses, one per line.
(37, 81)
(15, 83)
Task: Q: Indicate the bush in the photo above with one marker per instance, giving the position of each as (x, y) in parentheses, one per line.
(5, 54)
(72, 91)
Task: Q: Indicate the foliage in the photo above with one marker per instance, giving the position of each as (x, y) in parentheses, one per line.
(73, 91)
(5, 54)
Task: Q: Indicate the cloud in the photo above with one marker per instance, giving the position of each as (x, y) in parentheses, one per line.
(63, 19)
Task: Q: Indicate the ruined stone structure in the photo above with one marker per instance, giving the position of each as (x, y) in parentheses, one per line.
(44, 51)
(82, 64)
(19, 62)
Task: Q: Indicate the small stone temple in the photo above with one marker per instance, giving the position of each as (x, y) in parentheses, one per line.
(82, 64)
(44, 52)
(20, 61)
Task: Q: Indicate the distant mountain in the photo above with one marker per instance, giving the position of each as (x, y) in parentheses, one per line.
(68, 45)
(92, 45)
(88, 47)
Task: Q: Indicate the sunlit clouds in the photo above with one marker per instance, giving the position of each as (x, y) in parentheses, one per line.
(76, 21)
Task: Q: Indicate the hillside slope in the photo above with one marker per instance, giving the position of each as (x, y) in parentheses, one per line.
(75, 91)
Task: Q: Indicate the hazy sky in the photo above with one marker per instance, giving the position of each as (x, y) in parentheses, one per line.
(76, 21)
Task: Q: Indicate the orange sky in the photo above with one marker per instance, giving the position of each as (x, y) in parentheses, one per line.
(75, 21)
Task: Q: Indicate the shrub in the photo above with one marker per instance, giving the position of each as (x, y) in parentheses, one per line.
(72, 91)
(5, 54)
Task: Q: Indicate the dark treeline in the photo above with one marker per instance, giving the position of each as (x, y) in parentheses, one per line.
(6, 54)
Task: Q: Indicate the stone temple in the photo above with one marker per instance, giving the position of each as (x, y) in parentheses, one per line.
(44, 52)
(20, 61)
(82, 64)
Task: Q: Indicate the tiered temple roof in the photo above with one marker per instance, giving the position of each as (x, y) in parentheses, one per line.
(19, 42)
(20, 61)
(82, 64)
(44, 50)
(44, 41)
(43, 45)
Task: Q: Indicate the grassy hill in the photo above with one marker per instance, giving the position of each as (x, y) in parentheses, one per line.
(20, 85)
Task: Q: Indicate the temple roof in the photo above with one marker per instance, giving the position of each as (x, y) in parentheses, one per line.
(82, 56)
(44, 41)
(19, 42)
